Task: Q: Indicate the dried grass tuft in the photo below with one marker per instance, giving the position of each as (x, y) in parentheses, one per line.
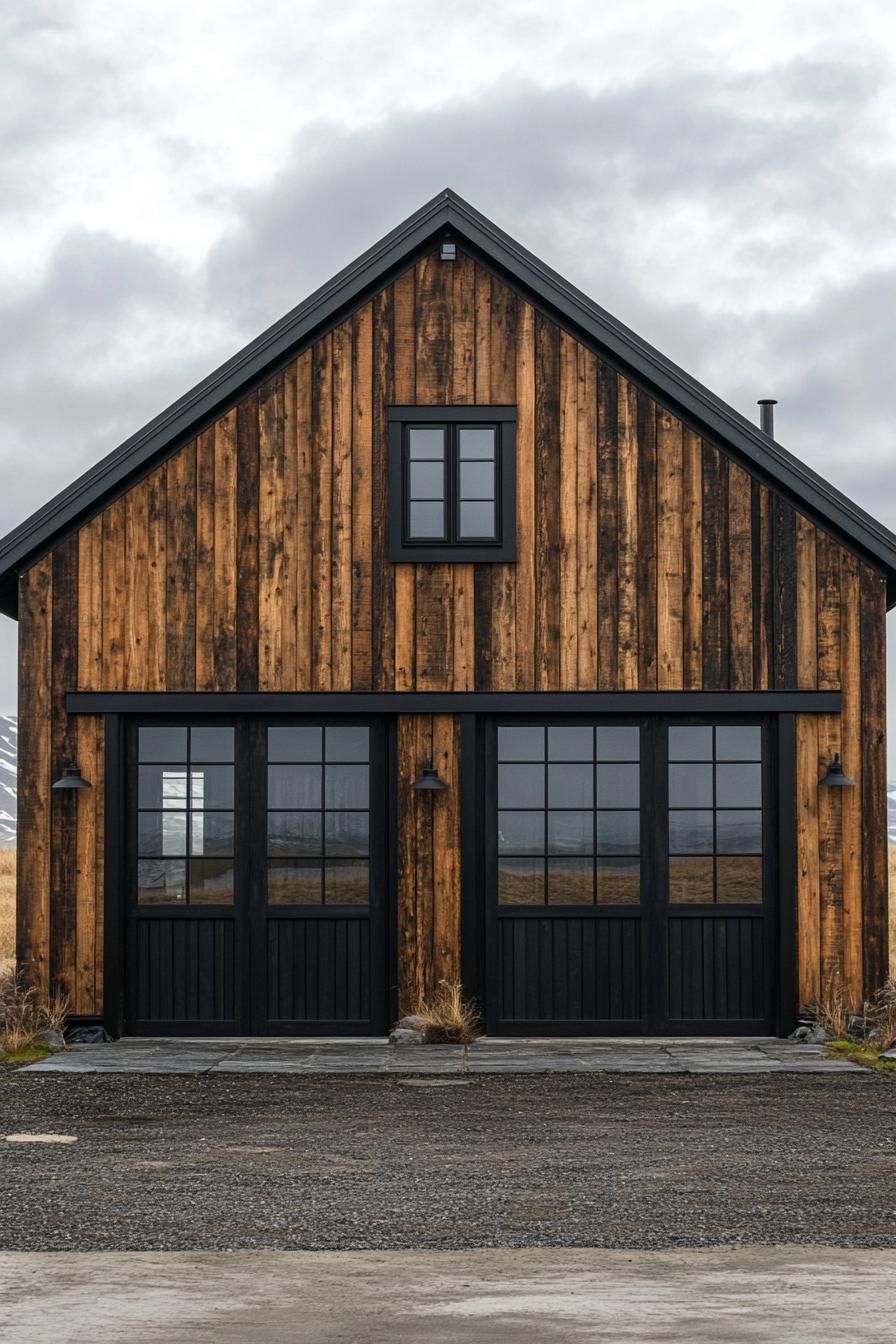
(833, 1010)
(449, 1018)
(881, 1016)
(23, 1017)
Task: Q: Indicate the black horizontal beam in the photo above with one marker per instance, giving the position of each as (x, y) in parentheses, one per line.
(452, 702)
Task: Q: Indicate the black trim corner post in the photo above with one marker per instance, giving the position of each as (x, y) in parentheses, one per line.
(787, 997)
(113, 874)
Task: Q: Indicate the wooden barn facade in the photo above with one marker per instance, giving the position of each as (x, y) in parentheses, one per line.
(450, 632)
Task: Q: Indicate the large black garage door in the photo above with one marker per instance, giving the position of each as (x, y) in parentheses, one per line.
(630, 878)
(256, 900)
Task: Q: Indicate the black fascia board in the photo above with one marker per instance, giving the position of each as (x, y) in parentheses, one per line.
(446, 212)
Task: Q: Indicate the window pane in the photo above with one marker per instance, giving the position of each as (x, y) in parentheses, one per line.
(618, 881)
(161, 882)
(690, 786)
(521, 832)
(477, 480)
(742, 742)
(521, 881)
(521, 786)
(426, 443)
(475, 443)
(618, 743)
(163, 744)
(570, 882)
(159, 786)
(347, 743)
(346, 786)
(476, 519)
(571, 744)
(738, 785)
(211, 744)
(571, 832)
(739, 880)
(618, 785)
(346, 882)
(211, 786)
(294, 882)
(426, 480)
(690, 881)
(690, 832)
(294, 834)
(521, 744)
(618, 832)
(427, 520)
(162, 833)
(347, 834)
(211, 881)
(739, 832)
(571, 785)
(295, 744)
(294, 786)
(211, 833)
(690, 743)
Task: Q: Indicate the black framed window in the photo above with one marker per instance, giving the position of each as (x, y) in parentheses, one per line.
(569, 820)
(452, 480)
(715, 814)
(185, 815)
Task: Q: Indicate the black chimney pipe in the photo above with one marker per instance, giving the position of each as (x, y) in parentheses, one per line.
(767, 415)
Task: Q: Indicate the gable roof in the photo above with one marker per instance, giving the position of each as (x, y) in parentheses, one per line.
(445, 214)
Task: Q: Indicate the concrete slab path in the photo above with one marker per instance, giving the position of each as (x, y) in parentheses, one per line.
(751, 1295)
(487, 1055)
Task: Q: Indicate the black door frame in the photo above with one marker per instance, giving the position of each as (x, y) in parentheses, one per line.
(479, 882)
(249, 914)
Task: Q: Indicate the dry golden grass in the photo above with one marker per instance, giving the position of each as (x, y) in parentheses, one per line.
(23, 1018)
(449, 1018)
(7, 907)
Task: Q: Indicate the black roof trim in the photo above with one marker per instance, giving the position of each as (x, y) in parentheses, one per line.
(371, 270)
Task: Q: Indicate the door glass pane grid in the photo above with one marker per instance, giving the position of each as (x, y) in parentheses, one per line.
(568, 823)
(715, 814)
(185, 818)
(318, 816)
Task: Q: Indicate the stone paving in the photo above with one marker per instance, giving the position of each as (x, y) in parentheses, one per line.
(487, 1055)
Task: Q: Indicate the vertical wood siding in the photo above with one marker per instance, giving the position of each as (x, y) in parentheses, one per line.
(255, 557)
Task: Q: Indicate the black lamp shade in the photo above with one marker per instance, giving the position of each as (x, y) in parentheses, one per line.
(835, 778)
(429, 780)
(71, 778)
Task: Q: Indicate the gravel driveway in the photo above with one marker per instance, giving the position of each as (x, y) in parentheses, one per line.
(627, 1161)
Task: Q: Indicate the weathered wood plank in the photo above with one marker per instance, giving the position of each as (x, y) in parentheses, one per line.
(362, 499)
(715, 570)
(64, 751)
(875, 954)
(808, 873)
(404, 374)
(502, 392)
(290, 579)
(341, 536)
(88, 852)
(271, 549)
(827, 560)
(463, 393)
(806, 601)
(33, 774)
(783, 538)
(115, 598)
(763, 623)
(180, 570)
(406, 864)
(670, 553)
(224, 671)
(830, 860)
(568, 615)
(383, 577)
(628, 537)
(547, 504)
(647, 543)
(156, 582)
(321, 516)
(136, 588)
(740, 582)
(446, 854)
(851, 753)
(247, 544)
(90, 606)
(692, 561)
(525, 501)
(586, 514)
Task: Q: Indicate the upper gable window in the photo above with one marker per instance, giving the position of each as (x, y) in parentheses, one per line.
(452, 483)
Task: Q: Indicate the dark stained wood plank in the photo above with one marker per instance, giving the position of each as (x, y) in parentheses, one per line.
(692, 560)
(808, 873)
(830, 861)
(136, 588)
(271, 548)
(502, 391)
(224, 671)
(783, 539)
(827, 561)
(362, 499)
(482, 627)
(383, 574)
(851, 754)
(88, 853)
(715, 570)
(64, 752)
(874, 782)
(762, 587)
(806, 603)
(180, 568)
(567, 447)
(627, 535)
(608, 546)
(463, 393)
(115, 598)
(247, 544)
(740, 569)
(33, 774)
(156, 580)
(321, 515)
(404, 374)
(446, 854)
(406, 864)
(90, 606)
(341, 539)
(547, 504)
(525, 501)
(290, 579)
(586, 518)
(647, 542)
(304, 450)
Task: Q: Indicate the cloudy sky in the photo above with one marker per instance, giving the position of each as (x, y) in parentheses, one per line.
(176, 174)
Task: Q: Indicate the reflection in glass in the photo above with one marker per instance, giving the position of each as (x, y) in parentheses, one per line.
(739, 832)
(294, 834)
(477, 519)
(294, 786)
(618, 832)
(477, 480)
(691, 742)
(739, 785)
(427, 519)
(739, 879)
(690, 881)
(346, 882)
(476, 443)
(738, 742)
(690, 786)
(211, 786)
(346, 786)
(571, 744)
(571, 785)
(618, 881)
(294, 882)
(521, 744)
(571, 832)
(426, 480)
(211, 744)
(521, 881)
(570, 882)
(520, 786)
(690, 832)
(162, 744)
(162, 833)
(521, 832)
(426, 444)
(348, 742)
(295, 743)
(618, 742)
(618, 785)
(161, 881)
(211, 881)
(347, 833)
(211, 833)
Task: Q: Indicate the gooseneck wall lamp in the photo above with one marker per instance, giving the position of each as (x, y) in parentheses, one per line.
(429, 780)
(835, 778)
(71, 778)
